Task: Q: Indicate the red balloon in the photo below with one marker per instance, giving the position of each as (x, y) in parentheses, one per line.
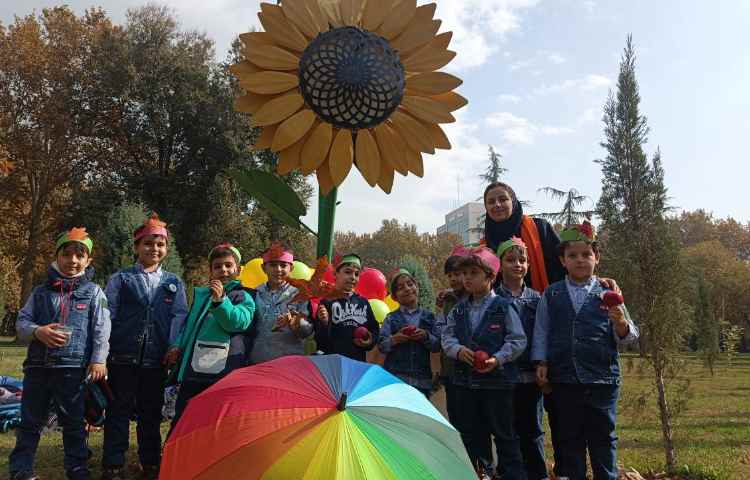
(372, 284)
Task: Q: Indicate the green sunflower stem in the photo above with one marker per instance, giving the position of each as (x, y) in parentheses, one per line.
(326, 222)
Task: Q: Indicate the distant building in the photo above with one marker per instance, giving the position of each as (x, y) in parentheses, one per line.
(466, 222)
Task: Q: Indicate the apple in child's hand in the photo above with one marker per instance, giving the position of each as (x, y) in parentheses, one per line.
(361, 333)
(409, 330)
(480, 359)
(612, 299)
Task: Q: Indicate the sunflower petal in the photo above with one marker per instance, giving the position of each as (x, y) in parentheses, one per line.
(427, 109)
(440, 42)
(452, 100)
(272, 57)
(278, 109)
(325, 182)
(316, 148)
(341, 157)
(289, 159)
(429, 60)
(375, 13)
(351, 12)
(267, 83)
(432, 83)
(280, 28)
(416, 165)
(385, 182)
(416, 35)
(439, 138)
(317, 14)
(368, 157)
(293, 128)
(297, 12)
(413, 132)
(397, 20)
(250, 103)
(392, 147)
(266, 138)
(253, 40)
(243, 68)
(332, 12)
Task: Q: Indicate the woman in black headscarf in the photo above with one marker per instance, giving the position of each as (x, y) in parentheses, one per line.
(505, 219)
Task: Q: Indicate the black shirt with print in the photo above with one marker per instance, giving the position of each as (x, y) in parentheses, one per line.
(344, 316)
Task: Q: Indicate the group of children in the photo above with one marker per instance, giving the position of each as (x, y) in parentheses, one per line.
(502, 347)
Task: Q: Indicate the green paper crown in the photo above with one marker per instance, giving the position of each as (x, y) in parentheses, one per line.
(510, 243)
(578, 233)
(351, 258)
(78, 235)
(229, 247)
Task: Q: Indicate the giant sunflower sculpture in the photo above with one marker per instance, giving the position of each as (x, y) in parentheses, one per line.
(342, 83)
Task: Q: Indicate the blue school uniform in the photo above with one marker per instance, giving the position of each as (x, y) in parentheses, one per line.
(574, 336)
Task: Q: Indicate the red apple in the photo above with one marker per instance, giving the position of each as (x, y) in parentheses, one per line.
(409, 330)
(480, 358)
(612, 299)
(361, 333)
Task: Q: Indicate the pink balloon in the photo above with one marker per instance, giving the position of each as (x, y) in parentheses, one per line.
(372, 284)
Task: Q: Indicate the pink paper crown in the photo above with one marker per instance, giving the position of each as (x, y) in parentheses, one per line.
(487, 258)
(277, 253)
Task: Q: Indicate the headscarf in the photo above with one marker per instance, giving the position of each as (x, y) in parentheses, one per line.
(496, 233)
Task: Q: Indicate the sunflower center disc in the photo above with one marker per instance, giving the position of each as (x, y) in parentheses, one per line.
(351, 78)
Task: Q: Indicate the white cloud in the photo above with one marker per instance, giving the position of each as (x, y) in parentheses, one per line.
(521, 131)
(509, 98)
(479, 26)
(589, 82)
(555, 58)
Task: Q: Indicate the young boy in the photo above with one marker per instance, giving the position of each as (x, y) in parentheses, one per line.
(67, 324)
(148, 306)
(409, 335)
(485, 335)
(212, 342)
(528, 396)
(338, 319)
(575, 349)
(445, 301)
(282, 325)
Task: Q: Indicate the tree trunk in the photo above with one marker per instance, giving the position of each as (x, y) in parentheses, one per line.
(666, 421)
(32, 249)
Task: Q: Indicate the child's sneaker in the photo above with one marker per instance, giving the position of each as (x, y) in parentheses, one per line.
(23, 476)
(113, 473)
(79, 473)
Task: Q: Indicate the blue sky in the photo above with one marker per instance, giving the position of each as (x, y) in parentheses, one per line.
(536, 74)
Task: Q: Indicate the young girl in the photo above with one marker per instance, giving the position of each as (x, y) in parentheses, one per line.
(528, 397)
(339, 320)
(409, 335)
(282, 325)
(485, 336)
(148, 306)
(212, 343)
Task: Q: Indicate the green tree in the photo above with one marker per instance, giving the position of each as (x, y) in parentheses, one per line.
(569, 215)
(707, 327)
(494, 169)
(640, 249)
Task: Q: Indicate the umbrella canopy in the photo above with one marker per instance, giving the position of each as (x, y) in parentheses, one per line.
(313, 418)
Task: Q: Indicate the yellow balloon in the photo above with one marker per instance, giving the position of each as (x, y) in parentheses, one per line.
(252, 274)
(300, 271)
(379, 308)
(392, 304)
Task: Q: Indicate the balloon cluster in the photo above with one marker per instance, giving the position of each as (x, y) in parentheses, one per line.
(372, 283)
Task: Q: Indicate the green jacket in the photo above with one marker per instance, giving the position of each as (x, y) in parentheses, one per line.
(212, 340)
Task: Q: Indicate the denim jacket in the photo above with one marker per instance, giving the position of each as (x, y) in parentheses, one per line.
(499, 333)
(526, 305)
(581, 347)
(79, 304)
(411, 359)
(142, 327)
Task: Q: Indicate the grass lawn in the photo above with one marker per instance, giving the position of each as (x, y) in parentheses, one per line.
(712, 435)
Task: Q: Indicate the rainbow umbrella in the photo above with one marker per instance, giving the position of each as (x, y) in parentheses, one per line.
(313, 418)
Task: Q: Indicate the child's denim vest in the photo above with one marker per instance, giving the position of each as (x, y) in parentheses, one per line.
(526, 305)
(489, 337)
(79, 294)
(140, 331)
(410, 358)
(581, 347)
